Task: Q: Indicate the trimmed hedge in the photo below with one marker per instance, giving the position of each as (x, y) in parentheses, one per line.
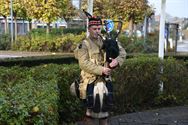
(5, 43)
(29, 95)
(38, 60)
(50, 43)
(138, 82)
(40, 94)
(70, 108)
(57, 31)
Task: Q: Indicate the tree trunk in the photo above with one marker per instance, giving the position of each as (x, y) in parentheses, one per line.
(131, 27)
(48, 28)
(147, 25)
(15, 28)
(6, 26)
(30, 25)
(23, 29)
(134, 29)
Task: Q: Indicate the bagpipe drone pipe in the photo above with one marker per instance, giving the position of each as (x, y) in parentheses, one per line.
(110, 42)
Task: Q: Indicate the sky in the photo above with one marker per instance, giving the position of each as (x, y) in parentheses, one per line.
(76, 3)
(176, 8)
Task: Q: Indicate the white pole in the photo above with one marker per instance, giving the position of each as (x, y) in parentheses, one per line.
(11, 11)
(90, 7)
(80, 4)
(162, 39)
(162, 30)
(145, 28)
(89, 10)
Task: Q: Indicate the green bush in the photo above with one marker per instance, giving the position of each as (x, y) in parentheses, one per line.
(175, 79)
(70, 109)
(57, 31)
(23, 43)
(69, 42)
(137, 84)
(75, 31)
(42, 31)
(38, 31)
(64, 43)
(137, 81)
(28, 43)
(65, 40)
(5, 41)
(29, 95)
(138, 45)
(152, 42)
(40, 94)
(132, 44)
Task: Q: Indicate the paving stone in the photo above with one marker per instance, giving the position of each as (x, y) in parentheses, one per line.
(163, 116)
(114, 121)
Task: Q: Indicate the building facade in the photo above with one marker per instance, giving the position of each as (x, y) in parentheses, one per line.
(23, 26)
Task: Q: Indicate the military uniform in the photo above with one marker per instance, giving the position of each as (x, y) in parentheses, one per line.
(92, 59)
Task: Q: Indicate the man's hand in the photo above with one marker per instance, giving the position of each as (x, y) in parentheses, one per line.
(106, 71)
(114, 63)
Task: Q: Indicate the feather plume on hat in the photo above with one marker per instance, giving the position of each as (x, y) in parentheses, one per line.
(93, 20)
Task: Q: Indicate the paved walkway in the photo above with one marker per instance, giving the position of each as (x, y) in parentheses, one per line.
(182, 46)
(163, 116)
(17, 54)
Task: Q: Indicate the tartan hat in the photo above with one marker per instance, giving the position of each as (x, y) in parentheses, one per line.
(93, 20)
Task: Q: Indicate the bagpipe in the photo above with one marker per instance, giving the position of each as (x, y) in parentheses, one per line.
(110, 41)
(109, 38)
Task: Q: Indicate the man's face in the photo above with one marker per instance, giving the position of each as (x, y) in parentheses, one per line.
(94, 31)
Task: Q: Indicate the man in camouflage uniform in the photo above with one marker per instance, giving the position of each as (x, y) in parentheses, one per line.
(93, 64)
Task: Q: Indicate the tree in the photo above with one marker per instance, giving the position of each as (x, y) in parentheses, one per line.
(70, 12)
(43, 10)
(132, 11)
(103, 8)
(5, 12)
(46, 10)
(18, 11)
(106, 8)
